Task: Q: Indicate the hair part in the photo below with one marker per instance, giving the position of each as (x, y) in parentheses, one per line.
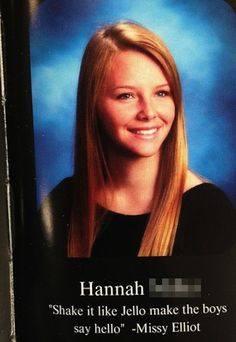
(91, 169)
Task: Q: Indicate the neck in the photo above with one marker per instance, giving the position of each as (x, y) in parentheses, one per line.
(133, 183)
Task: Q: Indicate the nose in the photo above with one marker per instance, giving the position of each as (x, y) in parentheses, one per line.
(147, 110)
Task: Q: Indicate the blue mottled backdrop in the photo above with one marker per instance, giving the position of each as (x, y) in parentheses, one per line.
(201, 36)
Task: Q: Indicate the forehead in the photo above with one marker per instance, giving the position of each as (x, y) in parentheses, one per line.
(133, 67)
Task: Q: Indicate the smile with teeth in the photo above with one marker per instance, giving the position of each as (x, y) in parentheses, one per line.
(144, 132)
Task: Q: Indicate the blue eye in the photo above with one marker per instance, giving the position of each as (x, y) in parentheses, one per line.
(125, 96)
(163, 93)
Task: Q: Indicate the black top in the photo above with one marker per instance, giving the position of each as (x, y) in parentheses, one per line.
(207, 224)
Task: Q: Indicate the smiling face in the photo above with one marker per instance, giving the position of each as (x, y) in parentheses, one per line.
(136, 109)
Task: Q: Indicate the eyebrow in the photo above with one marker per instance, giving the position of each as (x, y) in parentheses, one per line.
(133, 87)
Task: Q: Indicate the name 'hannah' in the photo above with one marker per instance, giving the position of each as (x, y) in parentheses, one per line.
(90, 289)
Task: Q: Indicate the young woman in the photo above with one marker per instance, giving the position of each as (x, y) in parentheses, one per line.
(132, 192)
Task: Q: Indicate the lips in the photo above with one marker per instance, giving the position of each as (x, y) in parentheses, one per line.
(144, 131)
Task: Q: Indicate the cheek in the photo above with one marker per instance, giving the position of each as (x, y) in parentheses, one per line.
(107, 121)
(168, 113)
(171, 119)
(111, 116)
(172, 116)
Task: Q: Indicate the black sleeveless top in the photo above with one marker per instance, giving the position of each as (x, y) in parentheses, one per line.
(207, 225)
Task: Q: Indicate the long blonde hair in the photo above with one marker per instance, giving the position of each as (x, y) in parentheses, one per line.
(91, 169)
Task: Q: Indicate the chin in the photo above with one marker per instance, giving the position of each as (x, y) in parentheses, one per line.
(146, 151)
(142, 153)
(132, 151)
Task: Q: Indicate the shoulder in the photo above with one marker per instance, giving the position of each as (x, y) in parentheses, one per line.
(203, 194)
(208, 202)
(64, 188)
(192, 180)
(54, 216)
(207, 222)
(58, 202)
(207, 195)
(59, 197)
